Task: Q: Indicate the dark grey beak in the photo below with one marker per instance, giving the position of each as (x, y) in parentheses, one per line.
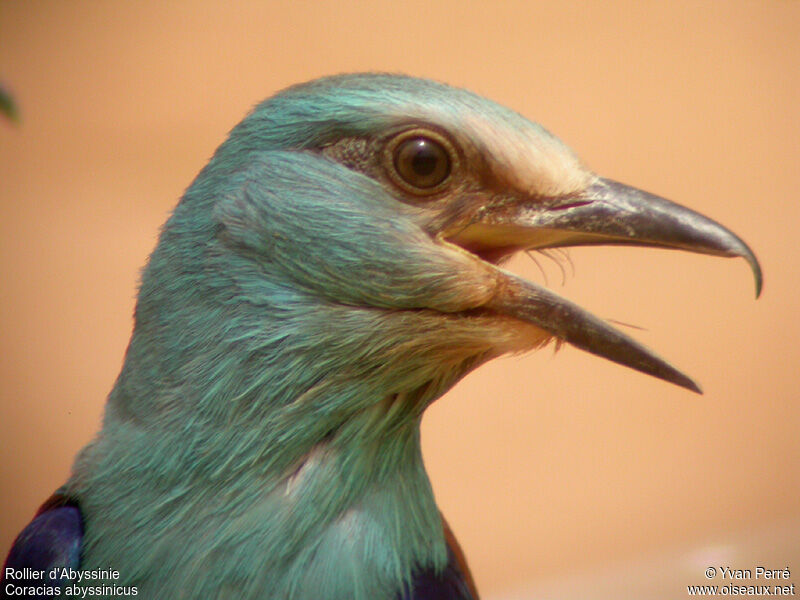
(607, 212)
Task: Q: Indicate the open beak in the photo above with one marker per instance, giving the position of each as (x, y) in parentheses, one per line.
(607, 212)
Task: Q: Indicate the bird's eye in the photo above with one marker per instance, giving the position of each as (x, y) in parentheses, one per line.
(421, 162)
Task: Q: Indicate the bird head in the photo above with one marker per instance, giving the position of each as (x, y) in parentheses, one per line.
(335, 268)
(347, 240)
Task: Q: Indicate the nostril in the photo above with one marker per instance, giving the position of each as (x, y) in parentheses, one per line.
(567, 205)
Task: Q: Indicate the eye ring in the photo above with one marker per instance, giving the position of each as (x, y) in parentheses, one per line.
(420, 161)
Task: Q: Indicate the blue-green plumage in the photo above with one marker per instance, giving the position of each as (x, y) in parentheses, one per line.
(323, 280)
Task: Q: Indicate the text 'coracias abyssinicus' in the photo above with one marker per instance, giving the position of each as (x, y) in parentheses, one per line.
(332, 271)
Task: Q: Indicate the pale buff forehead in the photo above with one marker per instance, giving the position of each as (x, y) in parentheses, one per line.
(521, 154)
(526, 158)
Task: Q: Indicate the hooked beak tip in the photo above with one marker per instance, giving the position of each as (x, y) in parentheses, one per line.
(756, 268)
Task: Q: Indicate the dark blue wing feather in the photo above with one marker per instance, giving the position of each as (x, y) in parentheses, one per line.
(450, 584)
(453, 583)
(50, 543)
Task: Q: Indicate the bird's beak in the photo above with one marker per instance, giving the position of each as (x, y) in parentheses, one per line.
(607, 212)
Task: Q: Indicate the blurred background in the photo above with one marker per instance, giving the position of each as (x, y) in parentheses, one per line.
(563, 476)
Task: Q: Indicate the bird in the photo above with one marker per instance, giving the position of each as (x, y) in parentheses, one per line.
(335, 268)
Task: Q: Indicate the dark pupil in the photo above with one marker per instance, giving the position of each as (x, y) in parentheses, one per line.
(422, 162)
(424, 159)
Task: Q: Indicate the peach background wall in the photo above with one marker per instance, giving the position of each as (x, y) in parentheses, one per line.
(548, 468)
